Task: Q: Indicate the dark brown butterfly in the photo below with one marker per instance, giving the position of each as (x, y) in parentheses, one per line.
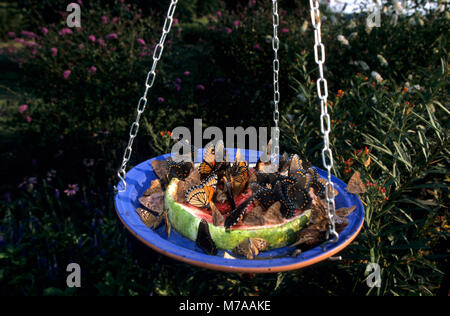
(179, 170)
(316, 183)
(287, 205)
(298, 166)
(237, 214)
(204, 239)
(265, 196)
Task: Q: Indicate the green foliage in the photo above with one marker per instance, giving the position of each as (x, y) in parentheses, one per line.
(391, 125)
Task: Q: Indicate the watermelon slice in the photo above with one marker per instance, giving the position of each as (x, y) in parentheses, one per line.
(185, 219)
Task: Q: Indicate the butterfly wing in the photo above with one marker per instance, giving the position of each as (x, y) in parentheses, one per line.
(204, 239)
(208, 164)
(237, 214)
(197, 197)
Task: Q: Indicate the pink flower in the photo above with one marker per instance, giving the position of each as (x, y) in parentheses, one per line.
(160, 99)
(256, 47)
(187, 73)
(141, 41)
(66, 74)
(28, 34)
(71, 190)
(44, 30)
(228, 30)
(236, 23)
(91, 38)
(54, 51)
(200, 87)
(81, 46)
(28, 118)
(92, 70)
(114, 20)
(11, 34)
(175, 21)
(101, 42)
(23, 108)
(219, 14)
(65, 31)
(104, 19)
(285, 30)
(19, 40)
(80, 2)
(111, 36)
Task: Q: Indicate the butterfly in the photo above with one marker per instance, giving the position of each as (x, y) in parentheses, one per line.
(204, 239)
(237, 214)
(264, 164)
(355, 185)
(201, 195)
(287, 205)
(209, 163)
(298, 166)
(299, 197)
(180, 170)
(250, 247)
(317, 183)
(238, 175)
(265, 196)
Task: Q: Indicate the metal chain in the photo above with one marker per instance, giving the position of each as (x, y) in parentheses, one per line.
(276, 87)
(150, 80)
(325, 125)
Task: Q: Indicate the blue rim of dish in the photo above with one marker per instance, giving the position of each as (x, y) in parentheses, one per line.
(180, 248)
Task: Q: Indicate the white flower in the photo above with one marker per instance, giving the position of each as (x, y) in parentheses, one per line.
(377, 77)
(398, 7)
(343, 40)
(382, 60)
(363, 65)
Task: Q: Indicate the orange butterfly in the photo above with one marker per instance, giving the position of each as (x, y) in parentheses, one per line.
(209, 164)
(201, 195)
(238, 174)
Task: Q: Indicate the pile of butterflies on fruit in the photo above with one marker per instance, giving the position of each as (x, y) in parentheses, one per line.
(291, 183)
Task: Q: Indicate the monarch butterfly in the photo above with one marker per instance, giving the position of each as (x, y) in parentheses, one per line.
(178, 170)
(238, 175)
(209, 163)
(201, 195)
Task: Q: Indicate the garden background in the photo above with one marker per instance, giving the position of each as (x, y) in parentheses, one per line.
(68, 97)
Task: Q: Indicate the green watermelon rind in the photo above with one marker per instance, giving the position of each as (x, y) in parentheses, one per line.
(276, 236)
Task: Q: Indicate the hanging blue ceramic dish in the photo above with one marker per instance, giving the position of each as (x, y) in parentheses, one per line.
(138, 179)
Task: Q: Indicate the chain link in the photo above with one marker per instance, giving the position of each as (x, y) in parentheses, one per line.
(149, 81)
(276, 86)
(325, 125)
